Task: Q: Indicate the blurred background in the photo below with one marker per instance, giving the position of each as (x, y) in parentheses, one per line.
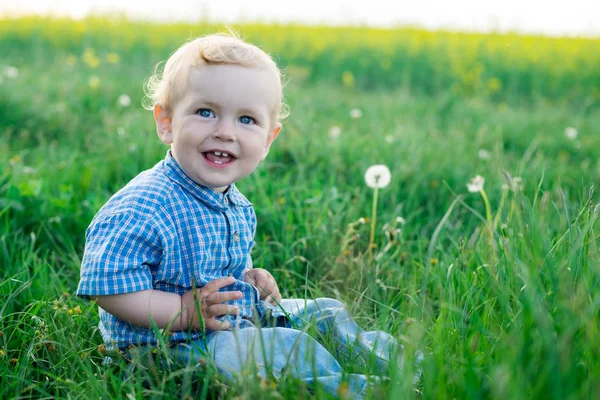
(498, 288)
(576, 17)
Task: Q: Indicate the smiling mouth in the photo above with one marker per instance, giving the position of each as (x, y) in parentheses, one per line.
(218, 157)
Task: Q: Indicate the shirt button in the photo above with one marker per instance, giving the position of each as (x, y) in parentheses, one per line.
(236, 237)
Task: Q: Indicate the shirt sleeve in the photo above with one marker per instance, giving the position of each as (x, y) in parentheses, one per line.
(119, 254)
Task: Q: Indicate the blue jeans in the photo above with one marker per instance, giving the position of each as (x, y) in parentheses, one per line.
(289, 349)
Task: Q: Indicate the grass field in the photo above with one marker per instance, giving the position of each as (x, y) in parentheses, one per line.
(499, 289)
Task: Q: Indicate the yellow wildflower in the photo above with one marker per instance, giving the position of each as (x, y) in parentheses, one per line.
(344, 390)
(94, 82)
(113, 58)
(89, 57)
(348, 79)
(71, 60)
(15, 159)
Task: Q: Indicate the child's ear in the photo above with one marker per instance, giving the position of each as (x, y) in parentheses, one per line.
(163, 124)
(272, 136)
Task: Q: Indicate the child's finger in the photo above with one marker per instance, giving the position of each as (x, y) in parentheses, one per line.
(216, 325)
(221, 309)
(214, 286)
(222, 297)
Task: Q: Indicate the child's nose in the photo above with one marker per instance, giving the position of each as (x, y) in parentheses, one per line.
(225, 131)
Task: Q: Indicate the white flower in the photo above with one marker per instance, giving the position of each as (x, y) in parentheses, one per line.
(571, 133)
(355, 113)
(334, 132)
(389, 139)
(516, 184)
(476, 184)
(378, 176)
(11, 72)
(484, 154)
(28, 170)
(400, 220)
(124, 100)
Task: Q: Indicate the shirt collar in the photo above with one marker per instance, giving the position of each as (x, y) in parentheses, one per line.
(212, 198)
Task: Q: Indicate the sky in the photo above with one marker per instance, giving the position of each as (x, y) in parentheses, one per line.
(556, 18)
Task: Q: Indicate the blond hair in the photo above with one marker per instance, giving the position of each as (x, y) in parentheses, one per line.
(165, 88)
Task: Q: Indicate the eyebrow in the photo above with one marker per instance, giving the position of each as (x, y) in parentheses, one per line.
(197, 102)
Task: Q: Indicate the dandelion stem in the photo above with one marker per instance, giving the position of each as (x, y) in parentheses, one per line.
(488, 209)
(490, 222)
(500, 207)
(373, 219)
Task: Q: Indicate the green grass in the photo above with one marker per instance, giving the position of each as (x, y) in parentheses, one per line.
(511, 314)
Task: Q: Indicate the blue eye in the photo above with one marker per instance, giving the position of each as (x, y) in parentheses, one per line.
(206, 113)
(247, 120)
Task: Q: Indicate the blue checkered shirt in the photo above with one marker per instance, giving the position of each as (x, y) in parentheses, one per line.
(163, 231)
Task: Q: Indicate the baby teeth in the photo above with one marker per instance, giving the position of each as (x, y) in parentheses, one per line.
(218, 153)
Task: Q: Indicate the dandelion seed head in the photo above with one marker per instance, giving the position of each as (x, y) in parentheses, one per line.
(476, 184)
(11, 72)
(571, 133)
(517, 183)
(484, 154)
(334, 132)
(355, 113)
(378, 176)
(124, 100)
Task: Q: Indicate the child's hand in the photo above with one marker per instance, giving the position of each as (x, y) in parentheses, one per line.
(210, 301)
(264, 281)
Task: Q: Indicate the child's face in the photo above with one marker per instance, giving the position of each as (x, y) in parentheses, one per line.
(222, 127)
